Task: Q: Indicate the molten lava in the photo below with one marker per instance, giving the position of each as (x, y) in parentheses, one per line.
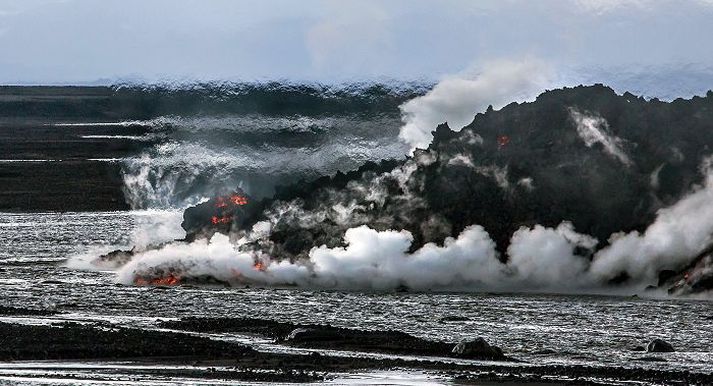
(169, 280)
(226, 201)
(238, 200)
(260, 266)
(226, 219)
(225, 208)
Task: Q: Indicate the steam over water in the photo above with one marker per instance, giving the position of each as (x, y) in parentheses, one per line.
(199, 157)
(544, 328)
(257, 137)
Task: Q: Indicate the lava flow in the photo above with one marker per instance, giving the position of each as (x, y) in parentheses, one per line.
(169, 280)
(225, 219)
(260, 266)
(225, 207)
(217, 215)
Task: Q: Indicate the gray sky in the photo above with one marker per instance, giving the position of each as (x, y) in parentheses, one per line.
(84, 41)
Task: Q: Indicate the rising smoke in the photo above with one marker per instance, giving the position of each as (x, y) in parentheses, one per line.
(679, 233)
(539, 258)
(436, 221)
(457, 97)
(256, 136)
(594, 129)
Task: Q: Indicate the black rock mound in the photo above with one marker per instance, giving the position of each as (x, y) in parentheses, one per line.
(604, 162)
(659, 345)
(478, 348)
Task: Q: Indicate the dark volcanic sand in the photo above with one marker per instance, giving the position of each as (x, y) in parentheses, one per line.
(77, 341)
(223, 360)
(318, 336)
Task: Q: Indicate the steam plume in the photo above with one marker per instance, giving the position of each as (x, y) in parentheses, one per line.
(594, 129)
(539, 258)
(457, 97)
(463, 213)
(679, 233)
(545, 257)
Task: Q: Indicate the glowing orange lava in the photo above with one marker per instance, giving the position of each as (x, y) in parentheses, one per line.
(169, 280)
(238, 200)
(260, 266)
(215, 220)
(225, 208)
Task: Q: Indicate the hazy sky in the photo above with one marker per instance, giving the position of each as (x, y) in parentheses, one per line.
(81, 41)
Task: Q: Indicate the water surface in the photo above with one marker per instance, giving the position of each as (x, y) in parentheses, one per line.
(595, 330)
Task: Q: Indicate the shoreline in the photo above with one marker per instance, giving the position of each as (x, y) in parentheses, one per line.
(225, 349)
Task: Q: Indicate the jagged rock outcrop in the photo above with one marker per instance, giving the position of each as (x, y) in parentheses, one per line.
(603, 161)
(478, 348)
(659, 345)
(694, 278)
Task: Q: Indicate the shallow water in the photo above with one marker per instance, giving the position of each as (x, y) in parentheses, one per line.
(63, 373)
(595, 330)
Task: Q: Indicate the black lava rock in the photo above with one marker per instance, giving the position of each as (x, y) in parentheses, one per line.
(478, 349)
(659, 345)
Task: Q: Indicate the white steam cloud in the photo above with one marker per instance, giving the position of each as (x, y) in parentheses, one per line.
(370, 260)
(679, 233)
(594, 129)
(539, 258)
(216, 258)
(379, 260)
(456, 97)
(545, 257)
(181, 174)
